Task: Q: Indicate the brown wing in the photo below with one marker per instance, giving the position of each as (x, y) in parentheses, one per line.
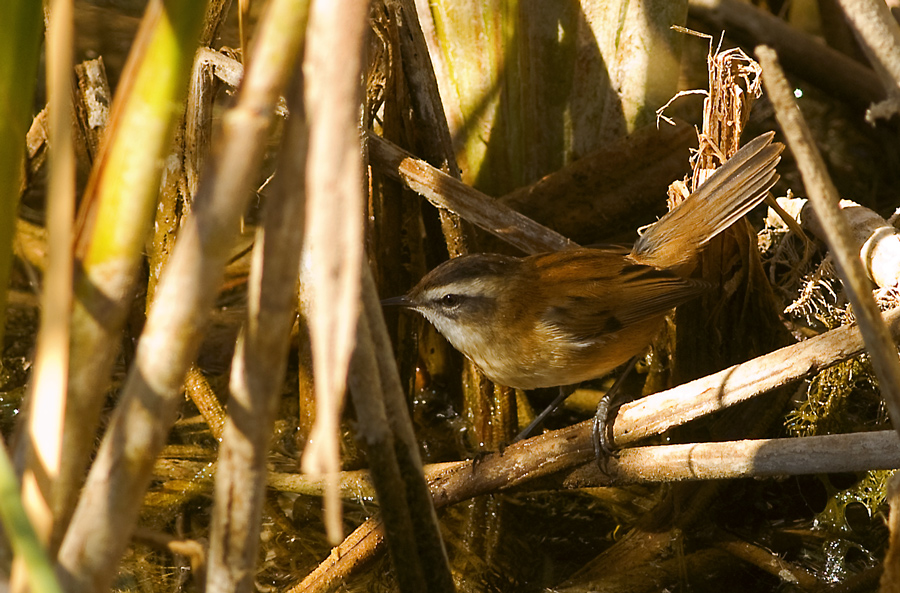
(593, 293)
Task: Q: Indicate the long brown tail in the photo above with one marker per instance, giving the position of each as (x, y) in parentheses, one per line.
(733, 190)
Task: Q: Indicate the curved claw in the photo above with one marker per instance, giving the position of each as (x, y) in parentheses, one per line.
(600, 431)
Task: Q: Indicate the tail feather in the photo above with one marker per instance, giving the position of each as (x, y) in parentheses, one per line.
(731, 191)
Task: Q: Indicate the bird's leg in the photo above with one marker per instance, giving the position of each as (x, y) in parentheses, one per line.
(564, 392)
(600, 433)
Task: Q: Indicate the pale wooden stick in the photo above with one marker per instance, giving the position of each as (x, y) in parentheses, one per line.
(759, 458)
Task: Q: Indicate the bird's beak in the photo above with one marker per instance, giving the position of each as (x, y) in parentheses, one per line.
(399, 301)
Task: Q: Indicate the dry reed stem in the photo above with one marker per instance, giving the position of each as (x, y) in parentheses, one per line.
(367, 390)
(824, 198)
(258, 368)
(334, 225)
(197, 130)
(425, 533)
(181, 174)
(37, 148)
(40, 482)
(112, 495)
(216, 11)
(358, 547)
(758, 458)
(94, 101)
(198, 389)
(788, 573)
(428, 112)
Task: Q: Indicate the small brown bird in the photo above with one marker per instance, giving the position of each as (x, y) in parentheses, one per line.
(557, 319)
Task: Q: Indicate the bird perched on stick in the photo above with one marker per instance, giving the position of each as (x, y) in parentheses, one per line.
(560, 318)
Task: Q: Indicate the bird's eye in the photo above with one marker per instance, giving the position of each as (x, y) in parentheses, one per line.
(450, 300)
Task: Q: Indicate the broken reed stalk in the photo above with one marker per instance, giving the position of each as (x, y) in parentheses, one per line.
(181, 174)
(824, 198)
(434, 142)
(198, 389)
(447, 192)
(258, 366)
(92, 104)
(111, 499)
